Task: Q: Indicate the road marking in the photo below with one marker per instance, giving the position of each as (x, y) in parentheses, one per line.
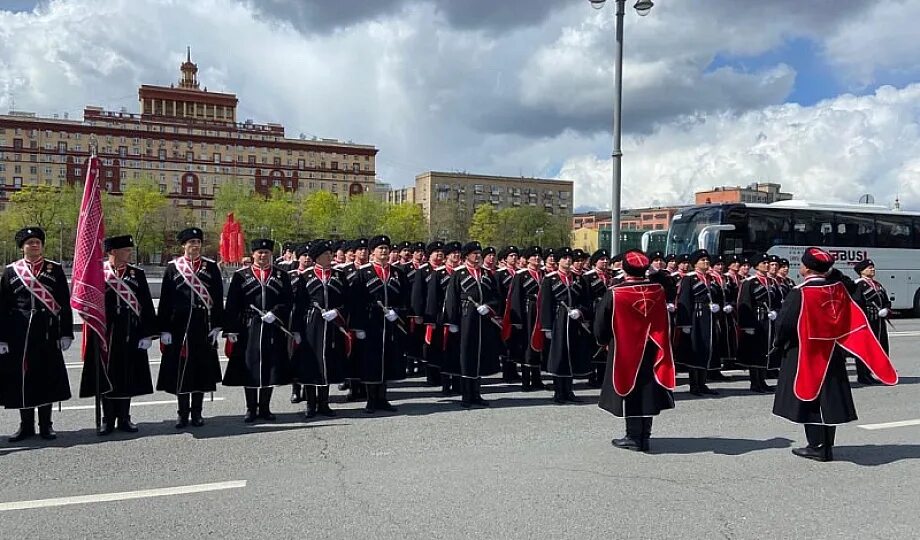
(133, 404)
(79, 365)
(889, 425)
(122, 496)
(905, 333)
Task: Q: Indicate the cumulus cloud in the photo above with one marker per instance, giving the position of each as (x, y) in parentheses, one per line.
(835, 151)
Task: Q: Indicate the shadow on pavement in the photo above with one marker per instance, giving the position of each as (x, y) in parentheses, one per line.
(872, 455)
(715, 445)
(215, 428)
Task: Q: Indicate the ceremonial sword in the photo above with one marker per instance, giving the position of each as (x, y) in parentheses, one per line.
(277, 320)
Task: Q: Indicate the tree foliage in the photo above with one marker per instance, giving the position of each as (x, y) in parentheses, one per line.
(320, 212)
(362, 217)
(484, 225)
(405, 222)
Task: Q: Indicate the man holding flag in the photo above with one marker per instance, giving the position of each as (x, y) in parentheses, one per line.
(130, 329)
(37, 327)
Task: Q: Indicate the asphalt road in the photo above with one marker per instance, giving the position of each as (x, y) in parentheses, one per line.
(719, 468)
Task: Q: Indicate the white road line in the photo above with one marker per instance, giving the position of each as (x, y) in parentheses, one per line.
(905, 333)
(889, 425)
(122, 496)
(133, 404)
(79, 365)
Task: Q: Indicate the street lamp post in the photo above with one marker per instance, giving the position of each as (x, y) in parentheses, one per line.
(61, 245)
(642, 7)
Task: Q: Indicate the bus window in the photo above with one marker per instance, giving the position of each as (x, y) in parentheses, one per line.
(812, 228)
(767, 228)
(854, 230)
(894, 231)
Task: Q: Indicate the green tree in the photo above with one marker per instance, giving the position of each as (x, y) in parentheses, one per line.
(448, 222)
(530, 225)
(362, 217)
(405, 221)
(484, 225)
(320, 212)
(142, 214)
(53, 209)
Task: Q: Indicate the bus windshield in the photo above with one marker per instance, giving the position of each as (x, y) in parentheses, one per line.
(684, 233)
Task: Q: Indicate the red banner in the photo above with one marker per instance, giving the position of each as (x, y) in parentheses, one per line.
(88, 297)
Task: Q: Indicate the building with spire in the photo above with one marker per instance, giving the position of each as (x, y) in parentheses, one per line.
(188, 139)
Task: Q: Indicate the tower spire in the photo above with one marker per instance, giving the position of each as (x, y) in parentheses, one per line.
(189, 71)
(188, 54)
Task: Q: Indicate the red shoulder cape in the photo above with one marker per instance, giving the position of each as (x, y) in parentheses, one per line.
(829, 318)
(640, 315)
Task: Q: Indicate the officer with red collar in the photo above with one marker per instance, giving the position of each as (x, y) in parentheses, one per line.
(131, 326)
(699, 300)
(190, 318)
(257, 315)
(37, 327)
(875, 303)
(818, 326)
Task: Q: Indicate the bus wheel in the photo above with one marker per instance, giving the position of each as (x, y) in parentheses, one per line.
(917, 303)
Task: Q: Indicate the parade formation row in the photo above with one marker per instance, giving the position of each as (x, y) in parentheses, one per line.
(364, 313)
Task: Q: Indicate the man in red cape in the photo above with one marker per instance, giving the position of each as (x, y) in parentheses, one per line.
(633, 321)
(818, 325)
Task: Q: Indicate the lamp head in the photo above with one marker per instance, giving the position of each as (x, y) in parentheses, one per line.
(597, 4)
(642, 7)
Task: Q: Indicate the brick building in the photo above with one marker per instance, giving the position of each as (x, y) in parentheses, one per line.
(186, 139)
(758, 192)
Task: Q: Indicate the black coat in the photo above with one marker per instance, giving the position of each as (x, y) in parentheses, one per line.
(321, 357)
(834, 404)
(597, 290)
(190, 363)
(480, 338)
(382, 357)
(699, 348)
(572, 347)
(648, 398)
(525, 289)
(443, 350)
(33, 373)
(128, 371)
(756, 299)
(415, 341)
(872, 297)
(503, 277)
(259, 358)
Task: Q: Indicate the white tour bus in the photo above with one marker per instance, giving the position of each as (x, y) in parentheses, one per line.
(851, 233)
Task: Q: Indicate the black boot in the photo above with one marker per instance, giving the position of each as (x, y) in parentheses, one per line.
(345, 385)
(537, 379)
(633, 439)
(705, 390)
(476, 388)
(509, 372)
(265, 401)
(718, 376)
(44, 423)
(558, 391)
(124, 416)
(26, 426)
(446, 386)
(756, 385)
(432, 375)
(466, 393)
(108, 417)
(184, 409)
(197, 406)
(382, 402)
(646, 434)
(830, 433)
(296, 393)
(252, 405)
(596, 380)
(816, 449)
(764, 373)
(323, 401)
(570, 391)
(526, 380)
(371, 406)
(310, 391)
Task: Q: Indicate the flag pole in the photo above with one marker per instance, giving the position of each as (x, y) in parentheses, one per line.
(97, 353)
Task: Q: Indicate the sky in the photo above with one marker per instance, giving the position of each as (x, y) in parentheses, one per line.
(821, 96)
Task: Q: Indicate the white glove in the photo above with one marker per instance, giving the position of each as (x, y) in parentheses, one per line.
(714, 308)
(144, 344)
(330, 315)
(771, 315)
(672, 308)
(685, 330)
(391, 315)
(297, 338)
(214, 334)
(883, 312)
(574, 314)
(360, 334)
(483, 309)
(749, 331)
(453, 328)
(65, 343)
(232, 338)
(4, 347)
(269, 317)
(548, 334)
(728, 308)
(166, 338)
